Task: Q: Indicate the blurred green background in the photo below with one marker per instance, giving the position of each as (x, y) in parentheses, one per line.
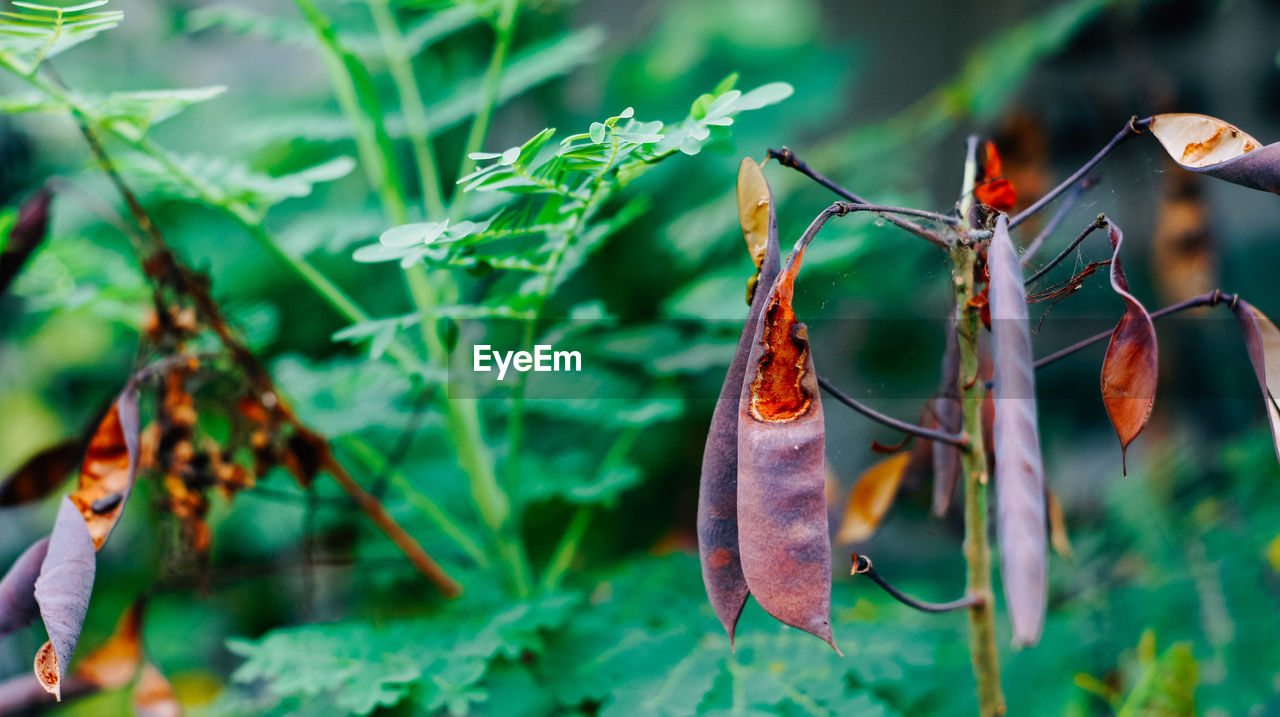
(324, 615)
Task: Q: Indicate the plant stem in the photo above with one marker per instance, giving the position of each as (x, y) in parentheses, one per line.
(211, 314)
(415, 118)
(1130, 129)
(973, 464)
(1098, 223)
(505, 30)
(353, 88)
(958, 440)
(562, 558)
(450, 527)
(789, 159)
(862, 566)
(462, 417)
(1056, 220)
(1213, 298)
(373, 509)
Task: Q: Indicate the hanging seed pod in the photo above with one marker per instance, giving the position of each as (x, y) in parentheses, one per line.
(18, 606)
(1210, 146)
(1262, 339)
(782, 506)
(946, 457)
(1019, 472)
(62, 592)
(1131, 365)
(718, 489)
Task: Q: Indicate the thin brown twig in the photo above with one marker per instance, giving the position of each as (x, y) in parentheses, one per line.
(862, 566)
(1213, 298)
(787, 158)
(163, 263)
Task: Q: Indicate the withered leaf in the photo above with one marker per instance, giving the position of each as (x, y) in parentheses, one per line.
(1262, 339)
(946, 457)
(718, 488)
(18, 606)
(153, 696)
(115, 663)
(782, 508)
(62, 591)
(1058, 526)
(994, 189)
(27, 234)
(872, 496)
(41, 474)
(1019, 472)
(109, 467)
(1210, 146)
(1130, 368)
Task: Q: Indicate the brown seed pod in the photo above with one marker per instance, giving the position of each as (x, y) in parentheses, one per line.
(18, 606)
(1262, 339)
(62, 591)
(1131, 365)
(782, 506)
(718, 489)
(1019, 471)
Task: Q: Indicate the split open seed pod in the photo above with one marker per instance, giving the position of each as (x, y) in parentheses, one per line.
(1210, 146)
(783, 538)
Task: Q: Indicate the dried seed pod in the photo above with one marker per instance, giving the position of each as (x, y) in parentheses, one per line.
(718, 489)
(18, 606)
(62, 591)
(946, 457)
(1262, 339)
(1019, 472)
(1131, 366)
(782, 507)
(1210, 146)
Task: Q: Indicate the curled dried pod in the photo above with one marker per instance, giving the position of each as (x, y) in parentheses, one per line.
(718, 488)
(1019, 471)
(1208, 145)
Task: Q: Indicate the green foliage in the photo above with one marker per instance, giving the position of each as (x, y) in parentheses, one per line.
(568, 238)
(33, 32)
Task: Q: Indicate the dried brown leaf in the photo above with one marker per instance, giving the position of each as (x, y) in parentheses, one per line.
(153, 696)
(115, 663)
(1058, 537)
(41, 474)
(872, 496)
(718, 487)
(1019, 472)
(1131, 366)
(1210, 146)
